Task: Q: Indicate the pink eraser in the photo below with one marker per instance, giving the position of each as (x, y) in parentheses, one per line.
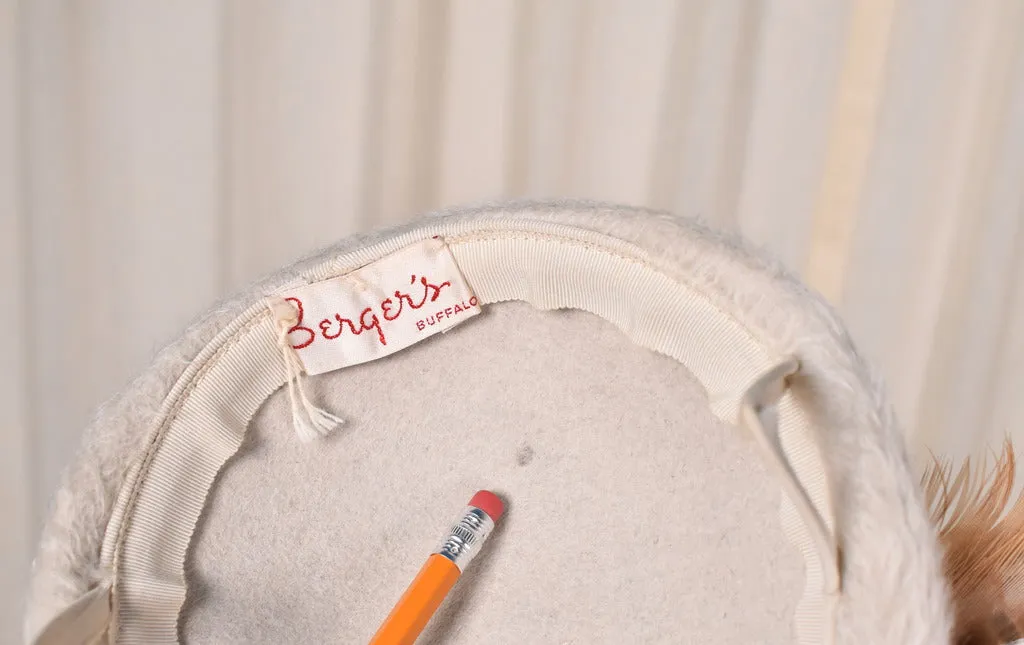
(489, 503)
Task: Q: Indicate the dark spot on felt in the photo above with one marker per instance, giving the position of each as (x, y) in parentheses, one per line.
(525, 455)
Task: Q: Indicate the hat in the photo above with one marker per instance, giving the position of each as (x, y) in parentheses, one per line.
(689, 445)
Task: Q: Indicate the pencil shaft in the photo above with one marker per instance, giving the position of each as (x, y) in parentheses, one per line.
(419, 602)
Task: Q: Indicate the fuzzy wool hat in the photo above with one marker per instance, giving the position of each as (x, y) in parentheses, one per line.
(689, 445)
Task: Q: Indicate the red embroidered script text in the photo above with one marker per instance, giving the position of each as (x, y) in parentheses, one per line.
(370, 319)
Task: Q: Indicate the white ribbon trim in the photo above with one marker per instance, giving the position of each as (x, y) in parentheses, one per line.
(758, 414)
(85, 622)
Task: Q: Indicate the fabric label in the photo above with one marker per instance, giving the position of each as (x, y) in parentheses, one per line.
(379, 309)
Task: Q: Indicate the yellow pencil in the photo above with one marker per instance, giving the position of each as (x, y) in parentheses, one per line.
(442, 569)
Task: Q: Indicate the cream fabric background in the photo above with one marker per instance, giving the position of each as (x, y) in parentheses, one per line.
(156, 155)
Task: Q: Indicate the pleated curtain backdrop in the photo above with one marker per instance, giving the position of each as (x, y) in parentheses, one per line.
(155, 156)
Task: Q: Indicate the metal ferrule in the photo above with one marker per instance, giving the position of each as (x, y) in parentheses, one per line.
(464, 540)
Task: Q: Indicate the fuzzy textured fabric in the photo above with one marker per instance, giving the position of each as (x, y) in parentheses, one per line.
(893, 590)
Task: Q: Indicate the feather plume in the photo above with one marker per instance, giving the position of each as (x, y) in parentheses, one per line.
(981, 528)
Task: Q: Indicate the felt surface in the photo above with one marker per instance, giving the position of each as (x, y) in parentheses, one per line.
(633, 514)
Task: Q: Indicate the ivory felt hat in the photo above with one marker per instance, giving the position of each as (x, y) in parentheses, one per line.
(689, 445)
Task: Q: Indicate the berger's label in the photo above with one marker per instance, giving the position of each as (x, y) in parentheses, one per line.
(379, 309)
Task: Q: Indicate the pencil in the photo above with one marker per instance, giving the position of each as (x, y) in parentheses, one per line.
(442, 569)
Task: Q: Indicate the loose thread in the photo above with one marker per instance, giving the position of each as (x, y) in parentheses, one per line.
(310, 422)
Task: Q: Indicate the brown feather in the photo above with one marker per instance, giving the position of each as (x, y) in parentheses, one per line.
(982, 534)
